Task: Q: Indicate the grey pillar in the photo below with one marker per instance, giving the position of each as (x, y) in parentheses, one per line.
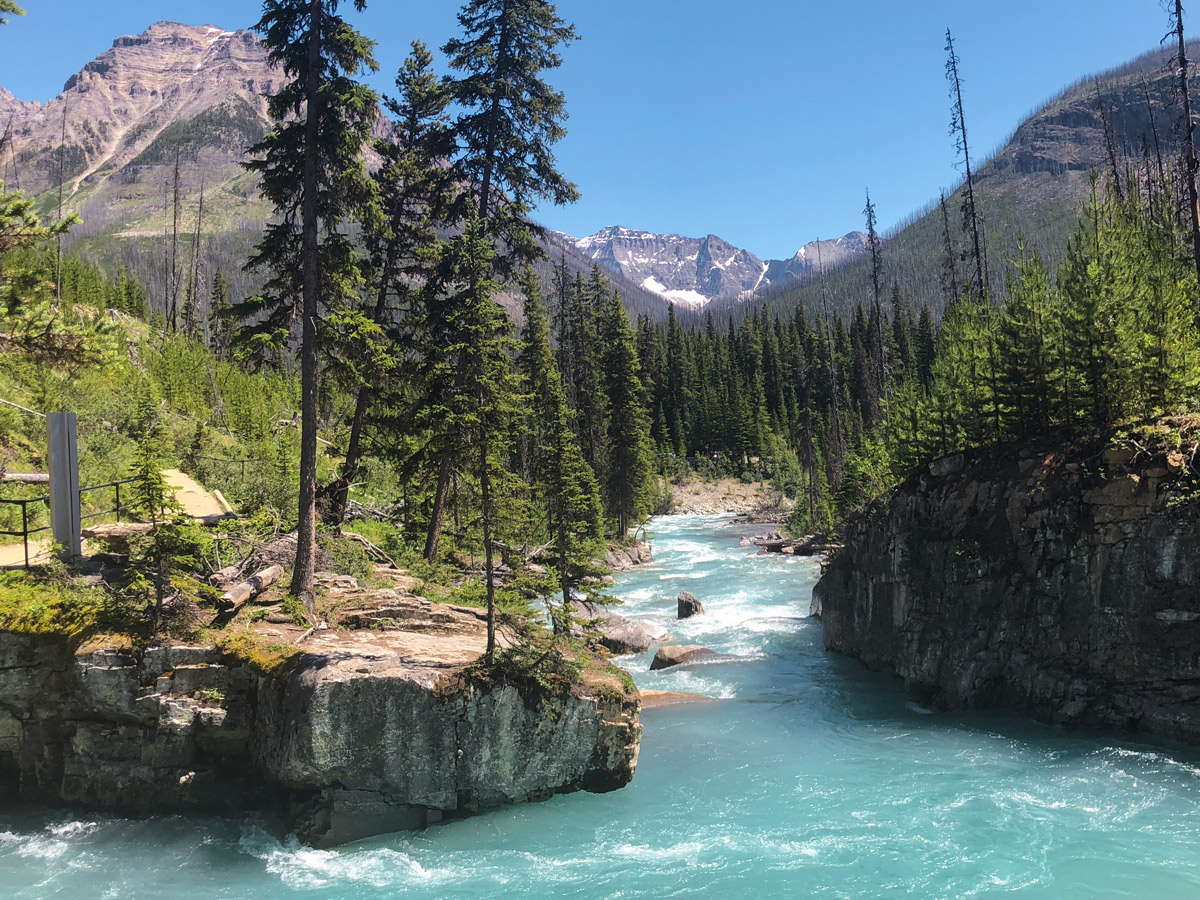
(65, 516)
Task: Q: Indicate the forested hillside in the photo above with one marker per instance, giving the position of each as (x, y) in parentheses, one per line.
(1032, 187)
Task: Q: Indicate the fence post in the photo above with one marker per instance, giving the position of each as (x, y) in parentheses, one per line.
(65, 515)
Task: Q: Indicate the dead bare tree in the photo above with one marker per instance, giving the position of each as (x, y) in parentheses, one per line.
(958, 128)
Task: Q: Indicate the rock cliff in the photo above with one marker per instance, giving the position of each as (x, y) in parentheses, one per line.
(1061, 582)
(359, 738)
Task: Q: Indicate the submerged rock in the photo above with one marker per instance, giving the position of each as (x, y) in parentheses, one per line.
(678, 654)
(1029, 582)
(688, 606)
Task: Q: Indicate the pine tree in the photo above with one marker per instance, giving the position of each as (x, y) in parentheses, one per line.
(484, 408)
(510, 118)
(220, 315)
(313, 174)
(564, 482)
(9, 6)
(629, 455)
(1027, 345)
(926, 349)
(412, 196)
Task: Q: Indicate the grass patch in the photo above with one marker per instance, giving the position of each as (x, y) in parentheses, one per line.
(29, 605)
(473, 593)
(274, 660)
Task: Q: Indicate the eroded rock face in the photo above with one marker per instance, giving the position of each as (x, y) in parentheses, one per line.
(353, 742)
(621, 558)
(1026, 580)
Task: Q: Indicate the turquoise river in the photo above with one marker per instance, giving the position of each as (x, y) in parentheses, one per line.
(812, 777)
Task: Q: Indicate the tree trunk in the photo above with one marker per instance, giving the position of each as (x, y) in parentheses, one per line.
(438, 515)
(306, 531)
(485, 490)
(962, 130)
(341, 496)
(1189, 138)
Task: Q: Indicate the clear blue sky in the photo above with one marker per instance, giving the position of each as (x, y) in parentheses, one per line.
(762, 121)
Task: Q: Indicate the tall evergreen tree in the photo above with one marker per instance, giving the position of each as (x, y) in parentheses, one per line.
(629, 455)
(313, 174)
(508, 123)
(563, 481)
(412, 199)
(485, 407)
(511, 118)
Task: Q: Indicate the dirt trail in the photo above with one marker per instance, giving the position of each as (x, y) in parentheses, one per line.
(195, 500)
(13, 555)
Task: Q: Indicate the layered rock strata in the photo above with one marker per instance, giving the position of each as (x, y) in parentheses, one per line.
(361, 737)
(1061, 583)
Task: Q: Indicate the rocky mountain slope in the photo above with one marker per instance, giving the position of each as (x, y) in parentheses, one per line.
(195, 94)
(1033, 186)
(193, 91)
(692, 272)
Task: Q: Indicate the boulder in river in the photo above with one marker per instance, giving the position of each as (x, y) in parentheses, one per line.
(678, 654)
(689, 606)
(618, 634)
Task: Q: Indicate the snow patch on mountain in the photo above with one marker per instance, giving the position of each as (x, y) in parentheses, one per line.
(693, 272)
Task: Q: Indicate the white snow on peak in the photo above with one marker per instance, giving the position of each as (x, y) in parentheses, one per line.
(693, 299)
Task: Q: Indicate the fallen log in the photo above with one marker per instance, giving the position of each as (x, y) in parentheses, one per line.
(222, 578)
(26, 478)
(373, 552)
(236, 597)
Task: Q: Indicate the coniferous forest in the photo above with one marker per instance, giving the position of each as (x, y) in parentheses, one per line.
(390, 509)
(402, 220)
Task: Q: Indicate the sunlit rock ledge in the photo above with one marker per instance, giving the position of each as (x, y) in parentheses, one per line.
(1061, 581)
(367, 732)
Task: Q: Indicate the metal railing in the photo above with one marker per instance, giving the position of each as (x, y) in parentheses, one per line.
(117, 509)
(25, 531)
(235, 462)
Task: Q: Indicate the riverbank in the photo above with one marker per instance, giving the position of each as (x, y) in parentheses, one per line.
(812, 776)
(381, 724)
(727, 495)
(1058, 581)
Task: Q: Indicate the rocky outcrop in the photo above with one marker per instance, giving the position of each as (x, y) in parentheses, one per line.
(687, 605)
(619, 559)
(1064, 583)
(357, 739)
(616, 633)
(678, 654)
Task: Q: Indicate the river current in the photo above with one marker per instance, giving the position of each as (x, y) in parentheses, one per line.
(810, 777)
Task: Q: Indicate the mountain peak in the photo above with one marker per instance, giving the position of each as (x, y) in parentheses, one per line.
(693, 272)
